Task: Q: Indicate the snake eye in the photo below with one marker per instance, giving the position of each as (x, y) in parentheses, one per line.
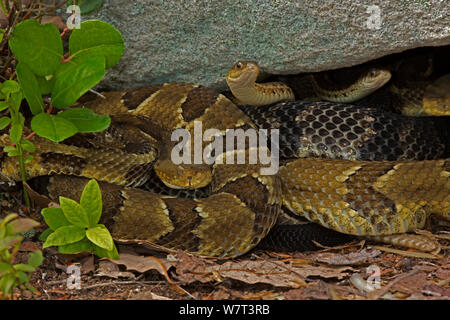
(372, 73)
(239, 65)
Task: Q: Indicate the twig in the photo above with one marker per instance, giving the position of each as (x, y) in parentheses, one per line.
(380, 292)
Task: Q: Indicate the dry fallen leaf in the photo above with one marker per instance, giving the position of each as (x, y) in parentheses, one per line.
(142, 263)
(351, 258)
(273, 272)
(109, 269)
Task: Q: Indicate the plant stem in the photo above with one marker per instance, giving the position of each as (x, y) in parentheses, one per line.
(23, 174)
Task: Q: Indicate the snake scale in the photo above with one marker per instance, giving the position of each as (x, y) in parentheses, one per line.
(346, 168)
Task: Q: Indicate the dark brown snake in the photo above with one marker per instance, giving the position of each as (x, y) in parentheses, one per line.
(325, 174)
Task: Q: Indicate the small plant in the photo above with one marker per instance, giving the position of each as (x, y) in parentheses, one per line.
(16, 275)
(44, 69)
(74, 227)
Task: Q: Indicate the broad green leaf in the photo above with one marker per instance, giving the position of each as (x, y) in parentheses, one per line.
(27, 145)
(9, 148)
(99, 36)
(6, 283)
(86, 120)
(3, 105)
(2, 32)
(23, 267)
(13, 153)
(9, 86)
(30, 87)
(28, 159)
(74, 78)
(22, 276)
(14, 101)
(83, 245)
(52, 127)
(44, 235)
(15, 133)
(4, 122)
(5, 268)
(21, 225)
(91, 201)
(74, 212)
(102, 253)
(101, 237)
(39, 46)
(45, 85)
(87, 6)
(65, 235)
(55, 218)
(35, 258)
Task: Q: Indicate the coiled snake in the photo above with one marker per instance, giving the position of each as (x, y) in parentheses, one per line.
(345, 192)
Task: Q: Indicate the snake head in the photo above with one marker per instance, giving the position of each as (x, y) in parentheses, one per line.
(243, 73)
(374, 79)
(183, 176)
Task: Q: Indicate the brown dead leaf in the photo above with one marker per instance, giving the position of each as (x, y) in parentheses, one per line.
(147, 295)
(412, 284)
(29, 246)
(87, 264)
(109, 269)
(351, 258)
(142, 263)
(56, 20)
(37, 199)
(443, 273)
(275, 273)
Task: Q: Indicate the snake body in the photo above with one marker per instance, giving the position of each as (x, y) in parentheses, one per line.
(240, 206)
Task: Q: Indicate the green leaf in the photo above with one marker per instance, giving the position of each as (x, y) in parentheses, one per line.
(27, 145)
(23, 267)
(35, 258)
(99, 36)
(3, 105)
(52, 127)
(101, 237)
(13, 153)
(91, 201)
(9, 86)
(15, 133)
(30, 88)
(65, 235)
(74, 78)
(44, 235)
(39, 46)
(7, 283)
(22, 276)
(83, 245)
(5, 268)
(2, 32)
(45, 85)
(87, 6)
(9, 148)
(4, 122)
(102, 253)
(86, 120)
(14, 101)
(21, 224)
(74, 212)
(55, 218)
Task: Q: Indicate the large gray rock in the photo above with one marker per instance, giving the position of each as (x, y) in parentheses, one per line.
(199, 40)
